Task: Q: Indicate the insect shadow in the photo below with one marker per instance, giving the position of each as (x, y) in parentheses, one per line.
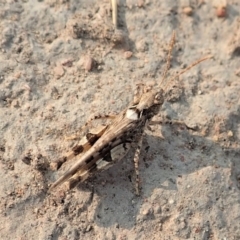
(181, 153)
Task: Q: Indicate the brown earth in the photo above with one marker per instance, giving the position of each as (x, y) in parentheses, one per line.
(50, 86)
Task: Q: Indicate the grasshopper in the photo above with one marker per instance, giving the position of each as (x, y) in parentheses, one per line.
(125, 132)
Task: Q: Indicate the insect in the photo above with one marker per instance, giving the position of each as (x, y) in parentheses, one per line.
(124, 132)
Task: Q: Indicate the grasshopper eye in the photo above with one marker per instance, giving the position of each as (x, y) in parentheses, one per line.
(158, 96)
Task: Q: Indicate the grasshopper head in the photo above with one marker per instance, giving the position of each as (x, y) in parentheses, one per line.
(147, 104)
(151, 102)
(150, 99)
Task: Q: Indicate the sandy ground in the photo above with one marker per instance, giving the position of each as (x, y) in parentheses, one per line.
(190, 178)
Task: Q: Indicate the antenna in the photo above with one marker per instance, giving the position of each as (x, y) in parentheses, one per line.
(187, 68)
(167, 66)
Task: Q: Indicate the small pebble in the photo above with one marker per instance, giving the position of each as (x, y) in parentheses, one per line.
(88, 63)
(88, 228)
(17, 75)
(128, 54)
(157, 209)
(119, 37)
(237, 72)
(35, 210)
(188, 11)
(58, 71)
(67, 63)
(141, 46)
(230, 134)
(221, 11)
(140, 3)
(99, 68)
(15, 103)
(146, 210)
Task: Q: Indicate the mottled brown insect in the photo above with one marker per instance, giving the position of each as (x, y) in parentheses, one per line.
(110, 144)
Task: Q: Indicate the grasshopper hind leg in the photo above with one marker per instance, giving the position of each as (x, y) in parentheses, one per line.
(77, 178)
(136, 164)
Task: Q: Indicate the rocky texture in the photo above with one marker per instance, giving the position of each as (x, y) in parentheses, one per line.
(61, 63)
